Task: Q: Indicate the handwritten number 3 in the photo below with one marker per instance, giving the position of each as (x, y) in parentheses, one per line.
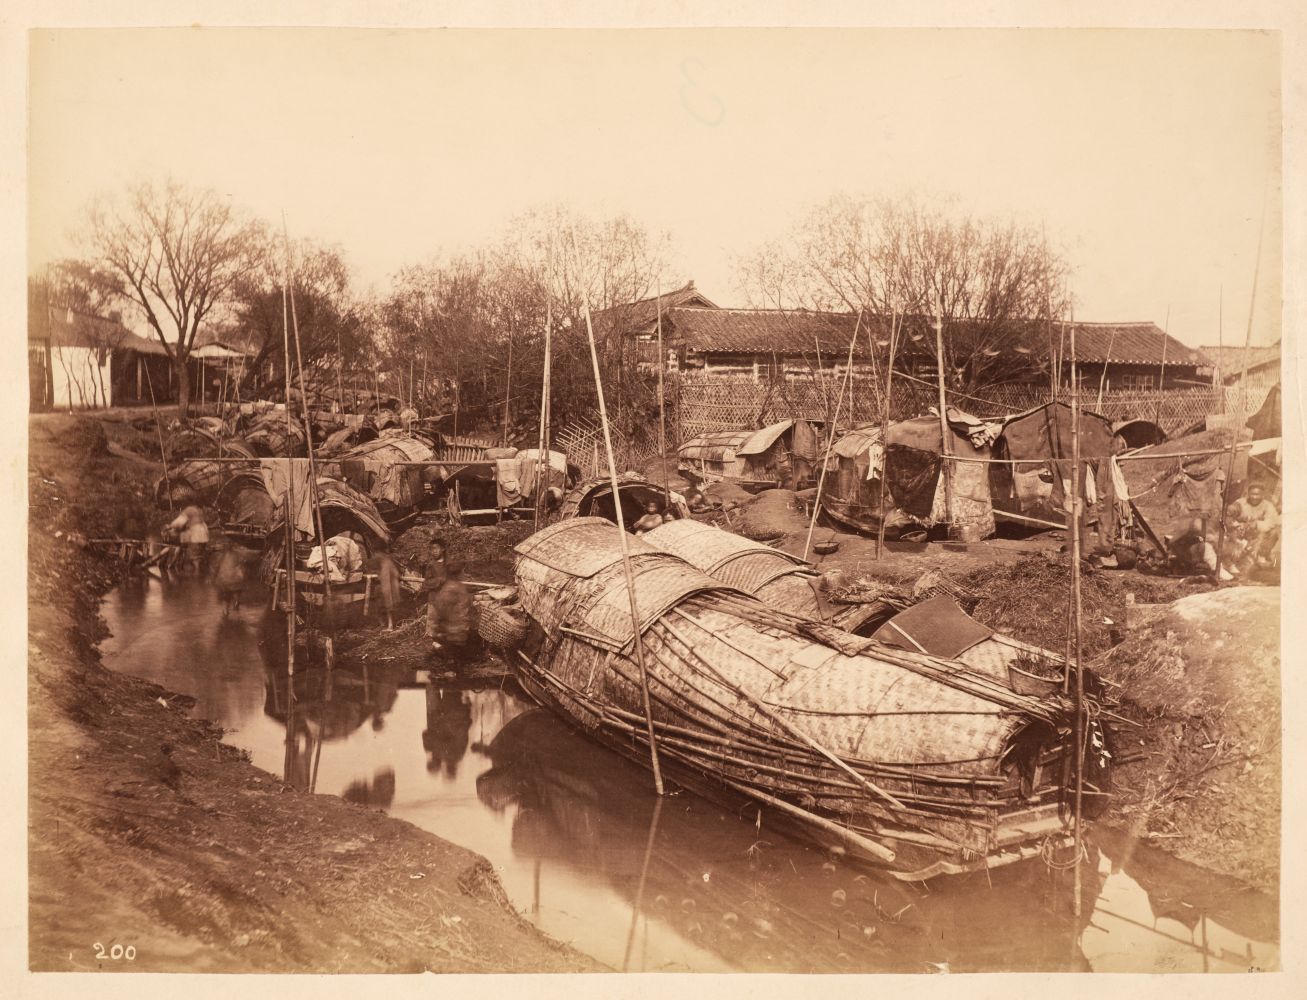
(698, 100)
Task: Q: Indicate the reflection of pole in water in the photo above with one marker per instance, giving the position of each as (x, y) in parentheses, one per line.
(644, 873)
(535, 889)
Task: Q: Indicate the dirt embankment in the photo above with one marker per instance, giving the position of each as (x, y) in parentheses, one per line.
(1205, 680)
(146, 831)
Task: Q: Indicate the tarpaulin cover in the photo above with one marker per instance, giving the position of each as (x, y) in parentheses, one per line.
(937, 626)
(549, 466)
(283, 474)
(760, 440)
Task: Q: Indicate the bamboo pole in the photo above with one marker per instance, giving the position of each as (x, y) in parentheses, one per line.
(542, 454)
(314, 498)
(626, 555)
(1102, 378)
(884, 433)
(830, 440)
(847, 836)
(944, 448)
(1220, 344)
(662, 406)
(340, 382)
(644, 874)
(158, 427)
(1161, 373)
(290, 611)
(508, 386)
(1243, 378)
(1075, 589)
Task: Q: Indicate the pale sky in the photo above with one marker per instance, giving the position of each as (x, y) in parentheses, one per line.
(1145, 154)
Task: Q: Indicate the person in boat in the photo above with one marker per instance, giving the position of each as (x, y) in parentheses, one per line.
(1252, 527)
(192, 531)
(382, 565)
(450, 624)
(344, 556)
(652, 518)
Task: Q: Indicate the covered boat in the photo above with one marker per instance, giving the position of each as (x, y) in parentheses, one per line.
(382, 470)
(593, 497)
(911, 761)
(344, 509)
(193, 479)
(244, 506)
(780, 454)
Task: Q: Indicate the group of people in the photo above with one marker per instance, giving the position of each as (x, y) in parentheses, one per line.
(1252, 539)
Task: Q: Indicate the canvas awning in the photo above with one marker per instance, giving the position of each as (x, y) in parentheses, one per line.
(760, 440)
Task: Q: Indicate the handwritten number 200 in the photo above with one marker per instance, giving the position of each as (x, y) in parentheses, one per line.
(117, 952)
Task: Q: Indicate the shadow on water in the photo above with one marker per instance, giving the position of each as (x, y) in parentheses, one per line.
(588, 852)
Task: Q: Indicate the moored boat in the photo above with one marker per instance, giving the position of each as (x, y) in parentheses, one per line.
(914, 762)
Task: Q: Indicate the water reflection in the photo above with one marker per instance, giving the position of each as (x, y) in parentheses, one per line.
(586, 849)
(449, 724)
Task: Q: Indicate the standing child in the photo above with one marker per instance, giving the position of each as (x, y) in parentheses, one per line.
(229, 577)
(386, 570)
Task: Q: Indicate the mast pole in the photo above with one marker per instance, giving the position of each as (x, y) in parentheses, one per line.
(662, 404)
(884, 432)
(945, 449)
(626, 556)
(830, 440)
(1079, 729)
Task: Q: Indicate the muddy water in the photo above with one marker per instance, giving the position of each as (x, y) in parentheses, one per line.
(587, 852)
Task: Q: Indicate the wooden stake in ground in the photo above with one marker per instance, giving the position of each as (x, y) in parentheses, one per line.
(944, 448)
(542, 453)
(158, 427)
(884, 433)
(1075, 590)
(626, 556)
(830, 440)
(662, 405)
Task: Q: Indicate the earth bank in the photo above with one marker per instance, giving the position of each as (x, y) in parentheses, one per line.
(146, 830)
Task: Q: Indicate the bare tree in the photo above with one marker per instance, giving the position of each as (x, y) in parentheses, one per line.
(994, 283)
(331, 323)
(464, 318)
(176, 254)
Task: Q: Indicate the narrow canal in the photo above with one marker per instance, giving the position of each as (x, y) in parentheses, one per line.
(588, 853)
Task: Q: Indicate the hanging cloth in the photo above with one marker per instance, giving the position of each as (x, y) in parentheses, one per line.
(875, 460)
(281, 474)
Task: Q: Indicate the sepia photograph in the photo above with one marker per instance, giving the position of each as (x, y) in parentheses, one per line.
(654, 500)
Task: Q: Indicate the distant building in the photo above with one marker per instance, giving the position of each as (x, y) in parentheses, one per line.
(784, 343)
(79, 361)
(1228, 363)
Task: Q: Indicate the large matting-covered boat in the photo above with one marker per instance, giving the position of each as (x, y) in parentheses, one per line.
(914, 762)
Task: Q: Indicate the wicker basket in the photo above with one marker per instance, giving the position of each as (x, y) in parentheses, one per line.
(1024, 682)
(499, 626)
